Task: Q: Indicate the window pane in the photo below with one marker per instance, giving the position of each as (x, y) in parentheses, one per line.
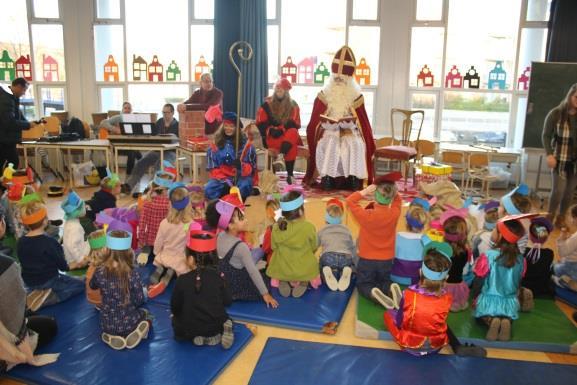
(201, 49)
(305, 97)
(108, 9)
(426, 49)
(328, 32)
(363, 41)
(48, 52)
(204, 9)
(151, 97)
(150, 34)
(14, 40)
(109, 41)
(538, 10)
(475, 118)
(490, 47)
(365, 9)
(52, 99)
(271, 9)
(427, 103)
(272, 51)
(369, 97)
(520, 122)
(111, 98)
(429, 9)
(533, 43)
(46, 8)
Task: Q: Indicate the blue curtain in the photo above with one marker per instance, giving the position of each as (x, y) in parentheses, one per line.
(233, 21)
(561, 46)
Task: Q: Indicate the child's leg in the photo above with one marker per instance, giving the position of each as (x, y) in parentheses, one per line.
(366, 277)
(227, 335)
(384, 275)
(155, 276)
(257, 254)
(505, 330)
(566, 268)
(64, 287)
(464, 349)
(494, 324)
(45, 327)
(167, 276)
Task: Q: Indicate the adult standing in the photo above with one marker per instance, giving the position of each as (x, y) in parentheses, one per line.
(12, 122)
(560, 143)
(165, 125)
(206, 96)
(278, 120)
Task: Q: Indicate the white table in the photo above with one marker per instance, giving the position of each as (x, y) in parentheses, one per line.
(160, 147)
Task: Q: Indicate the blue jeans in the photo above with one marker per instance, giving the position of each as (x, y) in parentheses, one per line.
(336, 261)
(566, 268)
(373, 273)
(63, 287)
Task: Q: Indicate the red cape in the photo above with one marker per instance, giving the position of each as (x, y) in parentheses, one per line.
(314, 133)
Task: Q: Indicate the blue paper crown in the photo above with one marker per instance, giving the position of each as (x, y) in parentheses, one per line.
(422, 202)
(116, 243)
(414, 223)
(445, 250)
(292, 205)
(332, 220)
(162, 182)
(174, 186)
(71, 203)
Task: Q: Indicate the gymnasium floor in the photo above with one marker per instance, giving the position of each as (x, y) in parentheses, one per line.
(240, 370)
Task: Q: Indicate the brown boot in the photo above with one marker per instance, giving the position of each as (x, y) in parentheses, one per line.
(494, 328)
(505, 330)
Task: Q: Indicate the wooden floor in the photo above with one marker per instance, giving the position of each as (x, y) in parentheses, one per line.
(240, 370)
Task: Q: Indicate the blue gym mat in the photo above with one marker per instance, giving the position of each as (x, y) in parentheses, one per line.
(567, 296)
(86, 360)
(318, 310)
(298, 362)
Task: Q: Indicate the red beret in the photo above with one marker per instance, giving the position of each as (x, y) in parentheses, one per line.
(391, 177)
(284, 83)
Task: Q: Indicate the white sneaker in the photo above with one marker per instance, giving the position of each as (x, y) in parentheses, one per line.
(330, 279)
(396, 293)
(385, 301)
(345, 280)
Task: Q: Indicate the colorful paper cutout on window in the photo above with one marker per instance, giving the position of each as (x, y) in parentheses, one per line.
(523, 81)
(49, 69)
(363, 73)
(497, 76)
(110, 70)
(202, 67)
(173, 72)
(289, 70)
(454, 78)
(7, 71)
(155, 70)
(24, 68)
(472, 78)
(425, 78)
(306, 70)
(321, 73)
(139, 68)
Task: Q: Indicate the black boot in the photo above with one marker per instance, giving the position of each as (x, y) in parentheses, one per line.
(326, 183)
(290, 166)
(355, 183)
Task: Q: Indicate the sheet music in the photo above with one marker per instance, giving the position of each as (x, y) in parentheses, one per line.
(127, 128)
(147, 129)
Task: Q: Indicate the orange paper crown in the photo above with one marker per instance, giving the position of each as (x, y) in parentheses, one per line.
(34, 217)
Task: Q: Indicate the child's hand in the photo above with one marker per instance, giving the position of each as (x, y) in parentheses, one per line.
(564, 234)
(270, 301)
(142, 259)
(368, 190)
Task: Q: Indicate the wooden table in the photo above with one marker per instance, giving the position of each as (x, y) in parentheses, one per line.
(90, 144)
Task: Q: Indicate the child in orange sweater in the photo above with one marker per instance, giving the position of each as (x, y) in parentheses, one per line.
(376, 242)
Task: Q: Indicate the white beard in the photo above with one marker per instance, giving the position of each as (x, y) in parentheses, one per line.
(340, 97)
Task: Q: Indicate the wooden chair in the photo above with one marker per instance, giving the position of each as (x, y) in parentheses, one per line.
(425, 149)
(112, 113)
(98, 117)
(62, 115)
(455, 159)
(405, 151)
(478, 169)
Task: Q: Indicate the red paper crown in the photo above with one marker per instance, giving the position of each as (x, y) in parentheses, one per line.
(201, 245)
(336, 202)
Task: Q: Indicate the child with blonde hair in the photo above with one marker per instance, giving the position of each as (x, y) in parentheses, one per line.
(123, 321)
(171, 240)
(338, 249)
(97, 256)
(273, 213)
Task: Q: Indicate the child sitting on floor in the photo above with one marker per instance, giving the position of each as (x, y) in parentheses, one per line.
(539, 259)
(517, 202)
(273, 213)
(376, 243)
(42, 258)
(171, 240)
(123, 321)
(294, 242)
(76, 248)
(567, 250)
(409, 244)
(98, 255)
(237, 262)
(481, 241)
(105, 198)
(502, 269)
(200, 296)
(420, 325)
(455, 227)
(338, 248)
(197, 203)
(154, 210)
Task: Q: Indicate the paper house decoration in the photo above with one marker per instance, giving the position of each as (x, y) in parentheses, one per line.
(110, 70)
(139, 68)
(472, 78)
(7, 71)
(200, 68)
(155, 70)
(425, 78)
(289, 70)
(305, 70)
(49, 69)
(454, 78)
(321, 73)
(363, 73)
(497, 76)
(523, 81)
(173, 72)
(24, 68)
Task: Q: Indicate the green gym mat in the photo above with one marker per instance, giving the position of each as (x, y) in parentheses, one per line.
(545, 329)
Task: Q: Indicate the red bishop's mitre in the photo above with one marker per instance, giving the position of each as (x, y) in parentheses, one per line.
(344, 62)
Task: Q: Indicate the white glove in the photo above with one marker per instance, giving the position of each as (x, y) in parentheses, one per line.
(142, 259)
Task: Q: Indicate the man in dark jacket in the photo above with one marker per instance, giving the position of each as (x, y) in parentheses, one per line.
(12, 122)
